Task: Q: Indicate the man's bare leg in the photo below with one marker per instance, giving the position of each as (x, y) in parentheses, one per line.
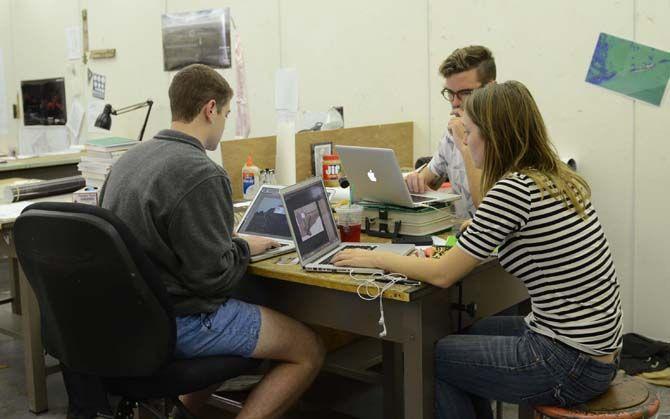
(195, 401)
(301, 354)
(282, 339)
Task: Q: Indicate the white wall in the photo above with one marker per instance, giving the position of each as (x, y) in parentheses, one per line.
(651, 209)
(364, 55)
(536, 47)
(39, 48)
(7, 52)
(379, 60)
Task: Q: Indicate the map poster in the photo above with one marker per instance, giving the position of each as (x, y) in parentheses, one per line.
(630, 68)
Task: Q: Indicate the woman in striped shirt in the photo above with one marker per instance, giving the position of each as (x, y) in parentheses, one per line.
(538, 213)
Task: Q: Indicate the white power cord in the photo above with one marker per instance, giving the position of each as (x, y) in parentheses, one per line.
(369, 290)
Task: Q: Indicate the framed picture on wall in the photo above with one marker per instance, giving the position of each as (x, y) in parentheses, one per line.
(44, 102)
(318, 151)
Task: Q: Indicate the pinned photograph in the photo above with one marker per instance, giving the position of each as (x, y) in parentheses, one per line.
(318, 151)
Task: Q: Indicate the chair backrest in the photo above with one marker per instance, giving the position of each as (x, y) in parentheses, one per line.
(103, 308)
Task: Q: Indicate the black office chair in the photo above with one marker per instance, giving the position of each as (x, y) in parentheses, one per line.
(104, 310)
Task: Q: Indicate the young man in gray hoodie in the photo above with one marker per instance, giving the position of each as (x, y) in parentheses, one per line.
(178, 202)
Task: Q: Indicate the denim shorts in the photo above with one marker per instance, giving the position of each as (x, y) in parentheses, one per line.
(233, 329)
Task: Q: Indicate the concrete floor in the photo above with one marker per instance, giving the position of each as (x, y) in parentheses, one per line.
(345, 399)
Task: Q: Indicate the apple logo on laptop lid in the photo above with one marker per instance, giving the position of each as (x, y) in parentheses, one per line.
(371, 176)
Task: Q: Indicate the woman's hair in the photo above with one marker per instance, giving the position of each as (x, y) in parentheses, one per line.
(516, 140)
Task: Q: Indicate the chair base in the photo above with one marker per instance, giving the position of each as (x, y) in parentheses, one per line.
(126, 409)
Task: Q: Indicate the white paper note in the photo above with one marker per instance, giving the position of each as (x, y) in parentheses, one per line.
(73, 39)
(95, 108)
(286, 89)
(74, 119)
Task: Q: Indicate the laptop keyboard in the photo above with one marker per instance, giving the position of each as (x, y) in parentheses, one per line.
(420, 198)
(329, 258)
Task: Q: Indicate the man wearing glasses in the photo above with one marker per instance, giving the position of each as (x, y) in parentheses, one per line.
(465, 70)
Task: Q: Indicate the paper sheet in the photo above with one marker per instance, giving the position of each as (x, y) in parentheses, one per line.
(98, 85)
(4, 109)
(286, 89)
(37, 140)
(74, 120)
(9, 212)
(73, 42)
(95, 108)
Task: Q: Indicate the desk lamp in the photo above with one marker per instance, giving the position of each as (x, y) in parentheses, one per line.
(104, 120)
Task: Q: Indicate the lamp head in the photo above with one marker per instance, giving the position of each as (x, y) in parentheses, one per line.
(104, 120)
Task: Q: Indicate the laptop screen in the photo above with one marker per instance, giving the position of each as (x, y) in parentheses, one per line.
(266, 216)
(309, 213)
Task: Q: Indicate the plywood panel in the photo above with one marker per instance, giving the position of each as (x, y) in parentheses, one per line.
(234, 155)
(399, 137)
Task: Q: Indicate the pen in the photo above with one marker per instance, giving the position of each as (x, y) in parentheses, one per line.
(420, 168)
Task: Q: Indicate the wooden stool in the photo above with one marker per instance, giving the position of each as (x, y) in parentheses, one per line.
(626, 398)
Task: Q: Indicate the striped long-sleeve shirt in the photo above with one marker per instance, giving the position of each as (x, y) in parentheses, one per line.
(563, 259)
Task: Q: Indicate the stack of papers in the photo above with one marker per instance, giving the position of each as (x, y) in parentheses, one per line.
(99, 157)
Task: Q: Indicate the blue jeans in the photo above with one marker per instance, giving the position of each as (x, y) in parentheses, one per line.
(501, 359)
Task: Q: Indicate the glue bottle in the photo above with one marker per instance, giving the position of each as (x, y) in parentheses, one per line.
(250, 177)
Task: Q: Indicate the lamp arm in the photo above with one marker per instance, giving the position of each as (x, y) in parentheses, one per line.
(130, 108)
(150, 103)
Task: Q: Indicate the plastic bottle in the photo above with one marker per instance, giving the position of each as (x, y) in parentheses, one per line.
(250, 177)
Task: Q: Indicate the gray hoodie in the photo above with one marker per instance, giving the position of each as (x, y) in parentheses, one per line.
(178, 203)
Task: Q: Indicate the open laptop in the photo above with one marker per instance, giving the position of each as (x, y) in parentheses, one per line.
(375, 176)
(266, 217)
(314, 231)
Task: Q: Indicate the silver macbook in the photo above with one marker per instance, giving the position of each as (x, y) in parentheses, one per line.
(266, 217)
(314, 231)
(375, 176)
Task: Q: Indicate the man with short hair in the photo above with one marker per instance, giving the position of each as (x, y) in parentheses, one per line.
(178, 202)
(465, 70)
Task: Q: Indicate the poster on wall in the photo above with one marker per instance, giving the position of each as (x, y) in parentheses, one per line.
(196, 37)
(630, 68)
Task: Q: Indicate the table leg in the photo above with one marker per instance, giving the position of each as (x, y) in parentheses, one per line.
(419, 370)
(36, 384)
(14, 285)
(393, 379)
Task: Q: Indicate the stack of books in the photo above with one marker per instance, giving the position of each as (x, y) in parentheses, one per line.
(99, 156)
(413, 221)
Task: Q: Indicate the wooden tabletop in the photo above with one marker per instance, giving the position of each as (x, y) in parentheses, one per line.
(341, 282)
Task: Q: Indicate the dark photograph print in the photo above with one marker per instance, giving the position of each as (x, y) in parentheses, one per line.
(196, 37)
(44, 102)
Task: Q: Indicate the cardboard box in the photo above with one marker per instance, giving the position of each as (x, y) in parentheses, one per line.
(87, 195)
